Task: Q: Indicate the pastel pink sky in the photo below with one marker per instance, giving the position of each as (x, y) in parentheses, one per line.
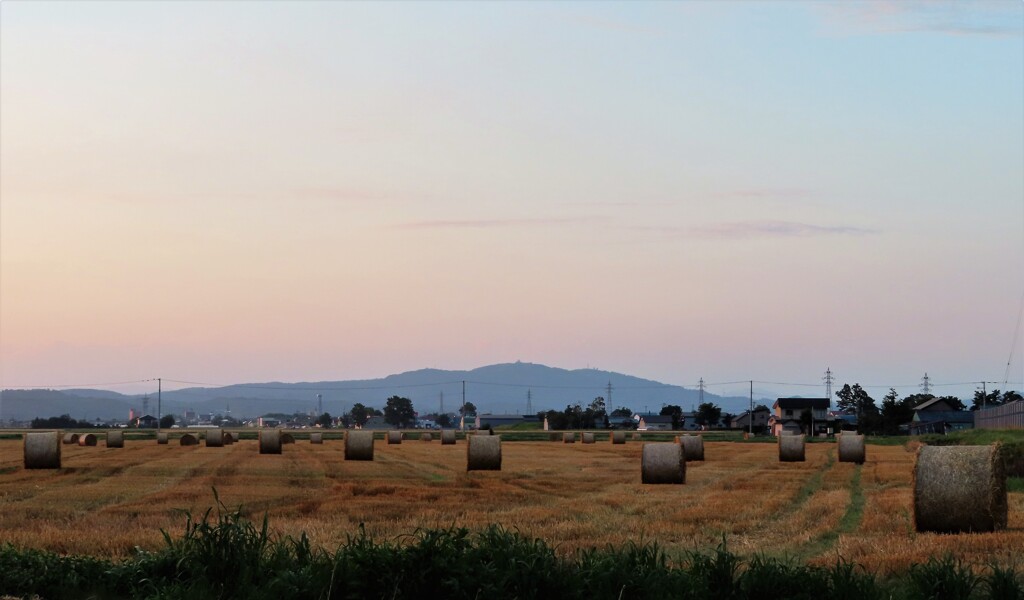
(233, 192)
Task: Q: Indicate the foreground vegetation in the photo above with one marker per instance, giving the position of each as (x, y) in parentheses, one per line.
(227, 556)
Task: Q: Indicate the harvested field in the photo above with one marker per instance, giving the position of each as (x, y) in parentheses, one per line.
(106, 502)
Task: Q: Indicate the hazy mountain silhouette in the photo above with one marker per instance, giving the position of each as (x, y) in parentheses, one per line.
(500, 388)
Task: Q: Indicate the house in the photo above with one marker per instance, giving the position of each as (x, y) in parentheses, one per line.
(655, 423)
(146, 422)
(742, 420)
(377, 423)
(941, 421)
(790, 411)
(688, 422)
(937, 405)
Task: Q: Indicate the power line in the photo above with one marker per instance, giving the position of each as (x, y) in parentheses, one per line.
(75, 385)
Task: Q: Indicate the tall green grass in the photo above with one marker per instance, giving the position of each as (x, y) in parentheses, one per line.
(222, 555)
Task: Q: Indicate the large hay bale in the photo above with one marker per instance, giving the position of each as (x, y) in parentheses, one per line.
(227, 438)
(426, 437)
(237, 436)
(588, 438)
(359, 445)
(162, 437)
(316, 438)
(394, 437)
(86, 439)
(618, 437)
(115, 438)
(215, 438)
(287, 438)
(568, 437)
(270, 441)
(189, 439)
(636, 436)
(483, 453)
(693, 446)
(851, 448)
(662, 462)
(42, 450)
(70, 438)
(791, 448)
(447, 437)
(959, 489)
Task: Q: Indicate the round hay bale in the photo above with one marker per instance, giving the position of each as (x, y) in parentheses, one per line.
(447, 437)
(115, 438)
(959, 489)
(70, 438)
(287, 438)
(662, 462)
(568, 437)
(693, 446)
(270, 441)
(554, 437)
(588, 438)
(316, 438)
(189, 439)
(394, 437)
(426, 437)
(215, 438)
(86, 439)
(42, 450)
(227, 438)
(618, 437)
(636, 436)
(791, 448)
(851, 448)
(359, 445)
(237, 436)
(161, 437)
(483, 453)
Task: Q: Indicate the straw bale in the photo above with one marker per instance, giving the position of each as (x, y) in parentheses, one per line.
(618, 437)
(270, 441)
(851, 448)
(447, 437)
(42, 449)
(791, 448)
(316, 438)
(662, 462)
(189, 439)
(115, 438)
(693, 446)
(960, 489)
(215, 438)
(359, 445)
(588, 438)
(483, 453)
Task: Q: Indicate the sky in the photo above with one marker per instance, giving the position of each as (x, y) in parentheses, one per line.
(228, 192)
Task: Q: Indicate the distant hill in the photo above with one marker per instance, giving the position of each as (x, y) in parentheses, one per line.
(501, 388)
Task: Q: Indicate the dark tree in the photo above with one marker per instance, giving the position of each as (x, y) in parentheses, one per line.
(468, 409)
(708, 414)
(325, 420)
(359, 414)
(167, 421)
(444, 420)
(674, 411)
(399, 412)
(623, 411)
(955, 402)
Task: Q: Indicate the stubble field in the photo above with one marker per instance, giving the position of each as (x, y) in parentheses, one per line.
(105, 502)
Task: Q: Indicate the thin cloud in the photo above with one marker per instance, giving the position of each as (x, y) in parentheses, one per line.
(759, 229)
(495, 223)
(987, 19)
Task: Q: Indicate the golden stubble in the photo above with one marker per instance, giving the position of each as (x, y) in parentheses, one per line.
(106, 502)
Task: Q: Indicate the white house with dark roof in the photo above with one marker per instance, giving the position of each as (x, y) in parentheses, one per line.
(788, 413)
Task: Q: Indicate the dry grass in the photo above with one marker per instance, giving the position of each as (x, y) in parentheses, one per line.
(109, 501)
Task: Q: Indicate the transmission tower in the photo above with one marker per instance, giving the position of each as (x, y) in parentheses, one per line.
(529, 402)
(926, 384)
(700, 386)
(829, 379)
(609, 388)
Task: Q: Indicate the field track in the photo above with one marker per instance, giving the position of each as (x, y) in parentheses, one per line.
(106, 501)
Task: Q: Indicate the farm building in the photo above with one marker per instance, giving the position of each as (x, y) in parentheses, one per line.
(790, 411)
(655, 423)
(742, 421)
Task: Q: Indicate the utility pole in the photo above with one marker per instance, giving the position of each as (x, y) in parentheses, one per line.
(463, 403)
(441, 410)
(984, 395)
(751, 408)
(319, 404)
(926, 385)
(159, 408)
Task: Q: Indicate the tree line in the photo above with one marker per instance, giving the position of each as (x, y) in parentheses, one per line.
(896, 411)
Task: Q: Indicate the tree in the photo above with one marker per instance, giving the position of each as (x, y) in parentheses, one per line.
(467, 409)
(955, 402)
(597, 407)
(325, 420)
(993, 398)
(359, 414)
(399, 412)
(167, 421)
(674, 411)
(895, 412)
(444, 420)
(857, 401)
(623, 411)
(708, 414)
